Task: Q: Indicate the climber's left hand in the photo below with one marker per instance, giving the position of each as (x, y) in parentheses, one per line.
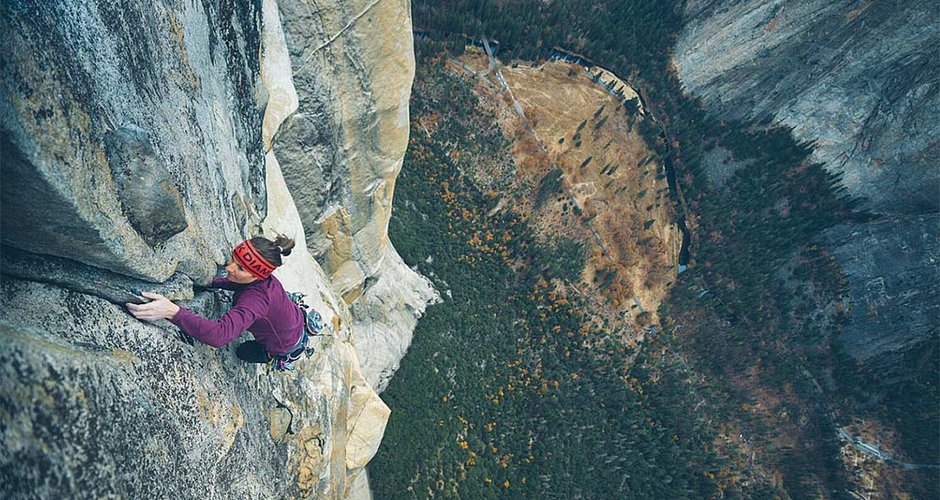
(159, 307)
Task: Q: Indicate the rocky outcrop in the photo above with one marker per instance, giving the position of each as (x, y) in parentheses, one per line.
(139, 144)
(124, 399)
(386, 315)
(128, 410)
(353, 72)
(856, 77)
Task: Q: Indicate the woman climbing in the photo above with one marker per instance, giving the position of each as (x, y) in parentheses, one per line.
(261, 306)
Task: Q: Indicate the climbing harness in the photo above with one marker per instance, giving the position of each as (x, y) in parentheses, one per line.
(285, 362)
(313, 326)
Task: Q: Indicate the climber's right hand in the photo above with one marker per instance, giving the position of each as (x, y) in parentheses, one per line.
(158, 308)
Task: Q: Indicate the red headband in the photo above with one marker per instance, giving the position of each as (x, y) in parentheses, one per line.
(251, 260)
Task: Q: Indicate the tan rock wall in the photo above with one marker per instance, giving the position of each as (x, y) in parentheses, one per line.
(325, 453)
(356, 72)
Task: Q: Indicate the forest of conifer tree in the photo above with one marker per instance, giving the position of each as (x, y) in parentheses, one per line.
(510, 390)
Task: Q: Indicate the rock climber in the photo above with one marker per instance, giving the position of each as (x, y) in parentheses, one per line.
(260, 306)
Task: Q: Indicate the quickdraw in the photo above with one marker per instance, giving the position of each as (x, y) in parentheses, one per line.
(313, 322)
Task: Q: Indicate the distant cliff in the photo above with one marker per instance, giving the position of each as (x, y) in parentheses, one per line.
(139, 144)
(859, 79)
(892, 267)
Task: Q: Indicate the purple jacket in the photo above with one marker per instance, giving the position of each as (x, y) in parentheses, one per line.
(261, 307)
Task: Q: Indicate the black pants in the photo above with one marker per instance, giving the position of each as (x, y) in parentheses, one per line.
(252, 352)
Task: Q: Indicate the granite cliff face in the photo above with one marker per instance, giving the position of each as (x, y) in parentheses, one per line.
(858, 78)
(353, 65)
(139, 144)
(892, 266)
(384, 318)
(99, 100)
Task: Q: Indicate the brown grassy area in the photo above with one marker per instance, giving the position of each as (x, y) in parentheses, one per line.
(626, 219)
